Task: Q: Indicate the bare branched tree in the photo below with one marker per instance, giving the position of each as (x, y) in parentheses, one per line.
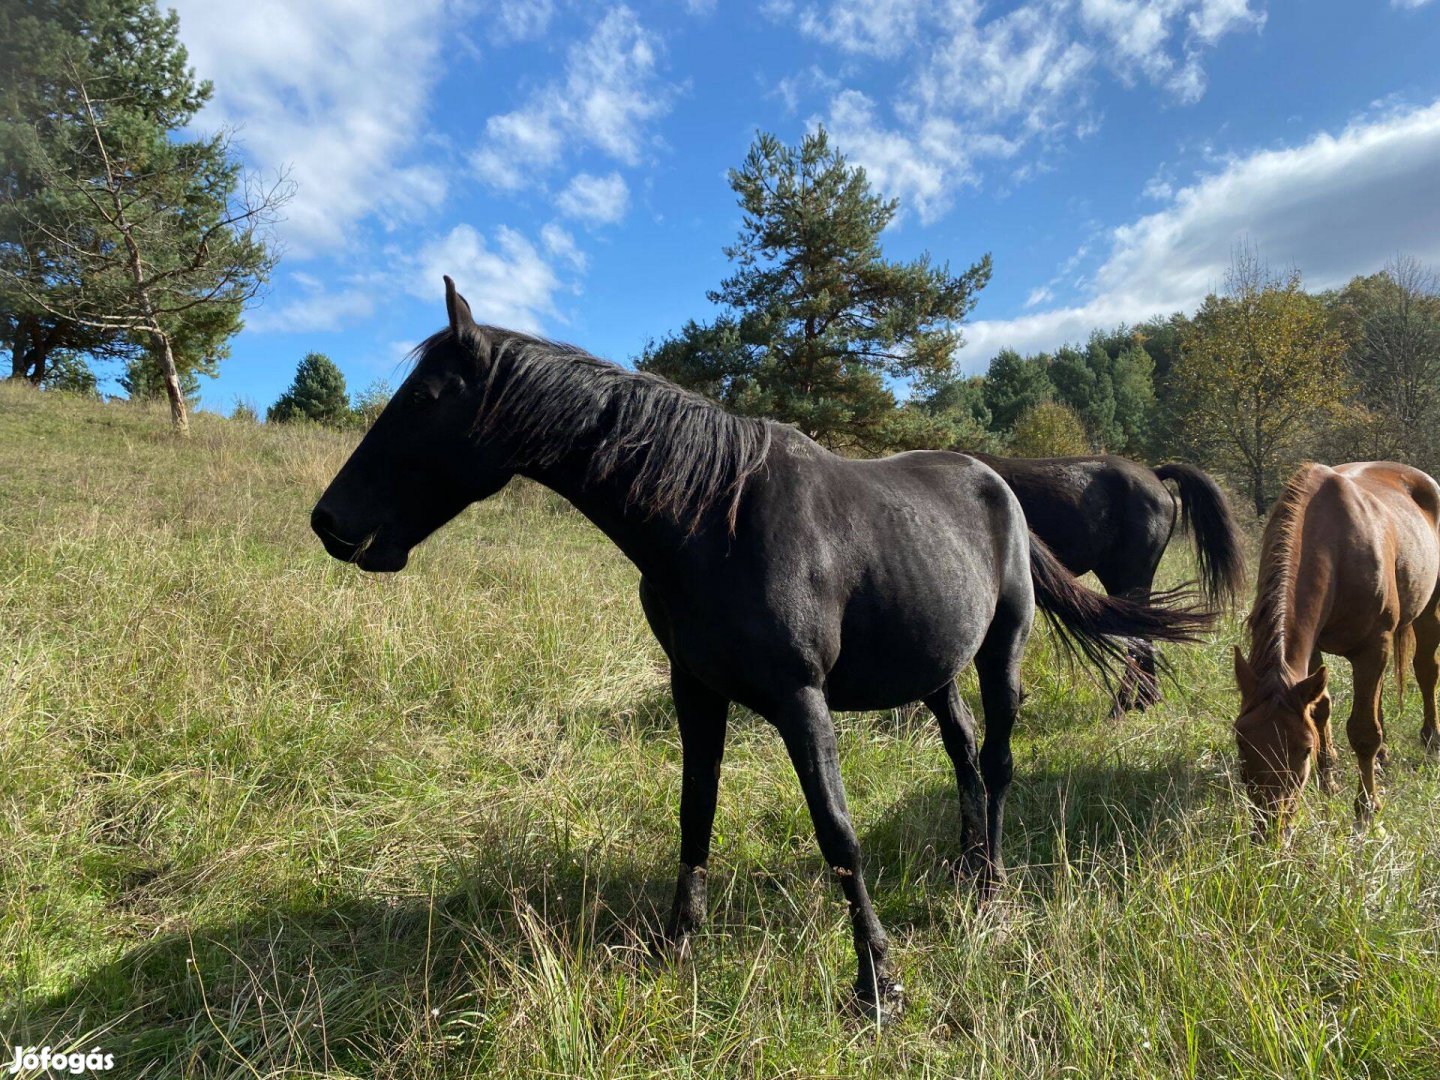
(1392, 320)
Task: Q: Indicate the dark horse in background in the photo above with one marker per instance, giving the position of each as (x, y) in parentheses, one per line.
(774, 573)
(1115, 517)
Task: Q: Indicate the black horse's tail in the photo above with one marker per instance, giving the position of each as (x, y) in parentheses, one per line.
(1093, 626)
(1206, 514)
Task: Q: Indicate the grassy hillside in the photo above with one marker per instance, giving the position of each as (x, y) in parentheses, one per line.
(262, 815)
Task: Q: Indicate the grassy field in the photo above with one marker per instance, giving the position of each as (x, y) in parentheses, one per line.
(262, 815)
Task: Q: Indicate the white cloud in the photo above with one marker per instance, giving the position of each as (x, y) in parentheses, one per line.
(516, 20)
(895, 163)
(507, 281)
(334, 90)
(595, 200)
(316, 310)
(1336, 206)
(973, 83)
(1215, 18)
(1410, 5)
(873, 27)
(608, 96)
(1044, 294)
(559, 243)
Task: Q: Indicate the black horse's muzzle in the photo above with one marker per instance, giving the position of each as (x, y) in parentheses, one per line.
(368, 555)
(327, 529)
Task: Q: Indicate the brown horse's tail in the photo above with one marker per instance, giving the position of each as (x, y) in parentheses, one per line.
(1206, 515)
(1096, 627)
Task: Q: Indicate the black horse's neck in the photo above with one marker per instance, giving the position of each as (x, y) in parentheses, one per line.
(652, 465)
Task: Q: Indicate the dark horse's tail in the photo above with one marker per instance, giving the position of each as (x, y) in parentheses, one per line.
(1205, 513)
(1094, 626)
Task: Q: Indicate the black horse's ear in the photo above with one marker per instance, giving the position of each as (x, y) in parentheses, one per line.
(458, 309)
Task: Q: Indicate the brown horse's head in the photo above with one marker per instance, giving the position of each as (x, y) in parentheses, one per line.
(1277, 739)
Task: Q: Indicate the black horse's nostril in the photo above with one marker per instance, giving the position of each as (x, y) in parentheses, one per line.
(323, 522)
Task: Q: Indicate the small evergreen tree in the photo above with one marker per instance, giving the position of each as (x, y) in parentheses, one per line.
(144, 380)
(68, 373)
(318, 394)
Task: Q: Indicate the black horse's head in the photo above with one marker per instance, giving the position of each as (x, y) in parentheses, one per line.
(420, 464)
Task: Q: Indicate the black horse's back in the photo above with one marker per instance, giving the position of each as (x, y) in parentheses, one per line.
(1114, 517)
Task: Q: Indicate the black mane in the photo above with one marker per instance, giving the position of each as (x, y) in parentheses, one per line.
(548, 400)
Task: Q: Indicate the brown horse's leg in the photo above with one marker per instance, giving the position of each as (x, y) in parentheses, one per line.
(804, 723)
(702, 716)
(1427, 673)
(1365, 728)
(1325, 749)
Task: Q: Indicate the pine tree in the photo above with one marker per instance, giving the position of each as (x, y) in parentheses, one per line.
(119, 234)
(820, 326)
(318, 394)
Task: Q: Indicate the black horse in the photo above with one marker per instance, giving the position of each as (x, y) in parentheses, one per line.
(773, 572)
(1116, 517)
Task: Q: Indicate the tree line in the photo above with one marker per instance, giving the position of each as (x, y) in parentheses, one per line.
(126, 238)
(817, 328)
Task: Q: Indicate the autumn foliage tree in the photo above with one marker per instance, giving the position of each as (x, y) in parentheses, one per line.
(1049, 429)
(1259, 367)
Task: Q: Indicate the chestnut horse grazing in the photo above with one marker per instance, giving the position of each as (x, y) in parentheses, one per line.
(1349, 565)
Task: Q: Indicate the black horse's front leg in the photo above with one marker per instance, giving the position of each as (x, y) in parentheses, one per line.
(702, 716)
(809, 733)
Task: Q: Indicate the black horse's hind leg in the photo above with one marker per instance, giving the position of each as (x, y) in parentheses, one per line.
(1139, 685)
(804, 723)
(957, 729)
(998, 665)
(702, 716)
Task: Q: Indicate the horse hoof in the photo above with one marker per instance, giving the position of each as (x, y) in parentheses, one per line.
(991, 882)
(667, 949)
(882, 1004)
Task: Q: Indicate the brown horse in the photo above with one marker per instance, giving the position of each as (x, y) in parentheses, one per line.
(1349, 564)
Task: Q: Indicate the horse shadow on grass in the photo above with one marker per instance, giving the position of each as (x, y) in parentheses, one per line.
(374, 986)
(1090, 818)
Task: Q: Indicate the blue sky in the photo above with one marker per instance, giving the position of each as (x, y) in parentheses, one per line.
(565, 162)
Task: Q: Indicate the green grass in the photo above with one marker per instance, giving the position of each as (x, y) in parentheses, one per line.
(262, 815)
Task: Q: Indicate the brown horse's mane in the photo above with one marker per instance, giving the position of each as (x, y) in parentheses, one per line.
(549, 400)
(1275, 579)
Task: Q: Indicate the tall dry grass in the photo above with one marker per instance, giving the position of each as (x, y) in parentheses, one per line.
(262, 815)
